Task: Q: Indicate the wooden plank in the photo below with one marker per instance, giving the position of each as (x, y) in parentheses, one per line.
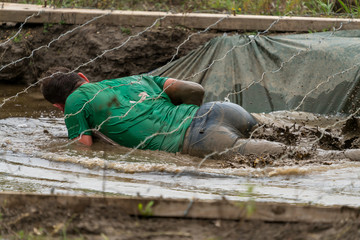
(202, 209)
(10, 12)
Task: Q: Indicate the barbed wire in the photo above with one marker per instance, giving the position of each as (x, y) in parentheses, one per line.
(186, 78)
(235, 147)
(282, 64)
(109, 50)
(234, 47)
(312, 145)
(52, 41)
(103, 53)
(226, 54)
(334, 125)
(323, 82)
(209, 155)
(189, 37)
(39, 48)
(83, 64)
(177, 53)
(166, 133)
(227, 150)
(96, 94)
(21, 27)
(118, 47)
(274, 71)
(81, 134)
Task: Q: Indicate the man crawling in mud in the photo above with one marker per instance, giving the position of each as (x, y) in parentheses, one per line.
(156, 113)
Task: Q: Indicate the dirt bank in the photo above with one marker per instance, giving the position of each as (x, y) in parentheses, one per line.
(104, 218)
(140, 54)
(106, 224)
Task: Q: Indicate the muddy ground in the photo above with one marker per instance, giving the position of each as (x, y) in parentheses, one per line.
(100, 221)
(303, 134)
(141, 54)
(104, 224)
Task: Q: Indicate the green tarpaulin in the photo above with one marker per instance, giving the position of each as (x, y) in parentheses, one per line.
(272, 73)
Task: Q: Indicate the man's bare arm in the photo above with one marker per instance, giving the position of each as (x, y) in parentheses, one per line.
(85, 139)
(184, 92)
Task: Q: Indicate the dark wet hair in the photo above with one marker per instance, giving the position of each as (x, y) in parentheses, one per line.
(57, 84)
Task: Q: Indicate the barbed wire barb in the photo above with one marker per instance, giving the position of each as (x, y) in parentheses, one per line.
(134, 149)
(86, 63)
(52, 41)
(155, 134)
(21, 27)
(189, 37)
(282, 64)
(231, 49)
(208, 156)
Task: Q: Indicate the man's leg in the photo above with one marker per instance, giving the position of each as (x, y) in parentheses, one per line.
(259, 147)
(353, 154)
(218, 127)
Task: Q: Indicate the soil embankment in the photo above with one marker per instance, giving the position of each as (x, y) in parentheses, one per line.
(39, 47)
(112, 218)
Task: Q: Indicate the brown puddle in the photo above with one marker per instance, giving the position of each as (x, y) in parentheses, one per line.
(35, 156)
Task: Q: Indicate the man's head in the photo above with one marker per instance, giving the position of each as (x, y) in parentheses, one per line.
(58, 83)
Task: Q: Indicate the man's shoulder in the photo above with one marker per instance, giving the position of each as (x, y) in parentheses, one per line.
(135, 78)
(78, 95)
(127, 78)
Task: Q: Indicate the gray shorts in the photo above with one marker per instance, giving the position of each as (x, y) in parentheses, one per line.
(215, 127)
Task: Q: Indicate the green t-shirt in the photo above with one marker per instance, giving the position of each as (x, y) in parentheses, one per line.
(128, 110)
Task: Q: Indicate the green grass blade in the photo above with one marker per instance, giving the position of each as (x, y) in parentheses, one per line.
(347, 10)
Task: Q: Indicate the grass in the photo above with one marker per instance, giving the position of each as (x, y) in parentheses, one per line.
(47, 26)
(249, 206)
(353, 8)
(261, 7)
(17, 38)
(146, 211)
(126, 31)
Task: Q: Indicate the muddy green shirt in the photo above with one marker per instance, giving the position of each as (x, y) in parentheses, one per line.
(129, 110)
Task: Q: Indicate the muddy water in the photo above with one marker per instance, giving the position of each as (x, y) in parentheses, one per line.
(35, 156)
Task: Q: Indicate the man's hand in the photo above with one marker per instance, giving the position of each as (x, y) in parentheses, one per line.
(184, 92)
(85, 139)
